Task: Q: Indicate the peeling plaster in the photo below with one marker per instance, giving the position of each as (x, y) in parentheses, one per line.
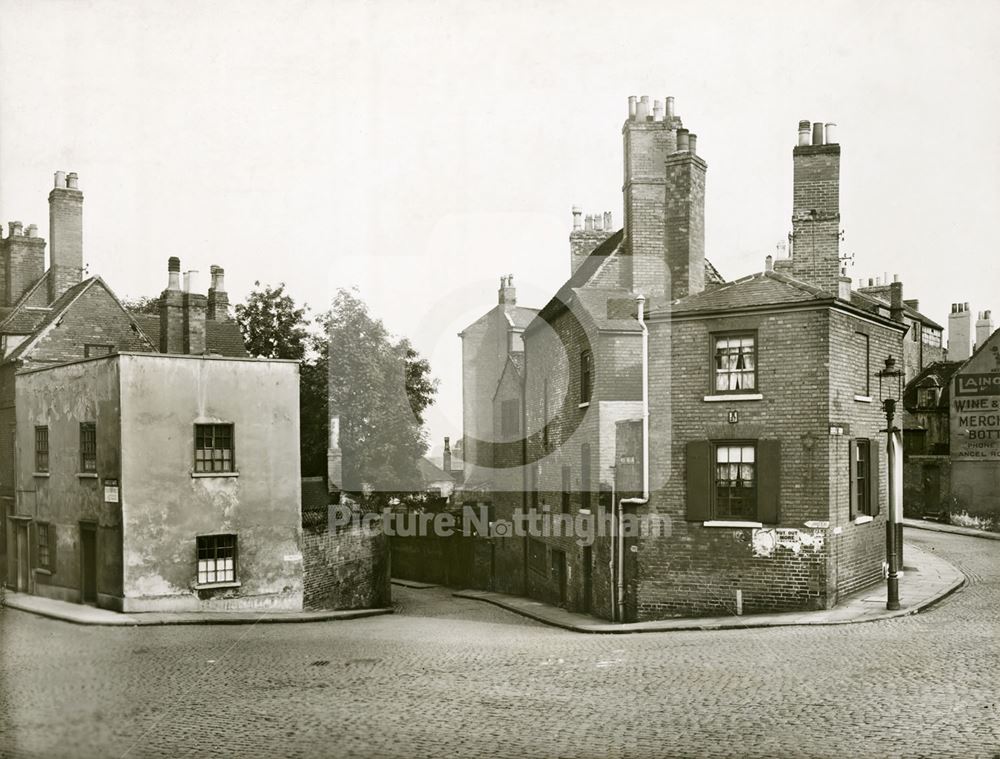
(766, 541)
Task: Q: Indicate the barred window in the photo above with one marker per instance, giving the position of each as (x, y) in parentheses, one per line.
(735, 363)
(213, 448)
(41, 449)
(216, 559)
(44, 555)
(88, 447)
(735, 481)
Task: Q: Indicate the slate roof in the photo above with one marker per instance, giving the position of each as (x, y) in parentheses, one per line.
(939, 372)
(431, 472)
(22, 318)
(521, 317)
(223, 338)
(870, 302)
(764, 288)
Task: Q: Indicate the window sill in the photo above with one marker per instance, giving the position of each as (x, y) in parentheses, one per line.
(39, 474)
(198, 475)
(863, 398)
(734, 397)
(731, 523)
(864, 519)
(40, 571)
(214, 585)
(584, 404)
(87, 475)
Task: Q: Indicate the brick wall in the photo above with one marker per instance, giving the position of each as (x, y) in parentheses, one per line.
(816, 215)
(345, 569)
(24, 265)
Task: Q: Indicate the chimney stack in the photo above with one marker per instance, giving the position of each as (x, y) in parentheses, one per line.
(896, 309)
(172, 310)
(816, 211)
(583, 240)
(984, 328)
(65, 234)
(195, 312)
(22, 261)
(446, 456)
(507, 295)
(218, 298)
(576, 217)
(959, 332)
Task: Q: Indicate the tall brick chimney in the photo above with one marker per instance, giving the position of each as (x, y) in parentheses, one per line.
(195, 312)
(816, 207)
(172, 310)
(65, 234)
(959, 332)
(22, 259)
(446, 456)
(507, 294)
(664, 199)
(218, 298)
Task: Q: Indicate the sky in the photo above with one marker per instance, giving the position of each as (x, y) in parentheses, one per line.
(419, 150)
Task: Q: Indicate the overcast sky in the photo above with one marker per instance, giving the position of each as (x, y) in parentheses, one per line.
(419, 150)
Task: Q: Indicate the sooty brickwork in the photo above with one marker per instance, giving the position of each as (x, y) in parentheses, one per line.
(345, 568)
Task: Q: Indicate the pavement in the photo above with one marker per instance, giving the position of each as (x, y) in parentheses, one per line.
(82, 614)
(926, 579)
(446, 676)
(923, 524)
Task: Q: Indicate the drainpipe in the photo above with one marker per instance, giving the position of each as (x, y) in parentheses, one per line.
(641, 301)
(614, 538)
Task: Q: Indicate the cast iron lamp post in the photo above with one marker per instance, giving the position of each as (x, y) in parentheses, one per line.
(890, 389)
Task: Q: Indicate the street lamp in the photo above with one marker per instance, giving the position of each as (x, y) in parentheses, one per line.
(890, 389)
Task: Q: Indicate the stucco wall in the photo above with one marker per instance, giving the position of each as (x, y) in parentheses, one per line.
(165, 508)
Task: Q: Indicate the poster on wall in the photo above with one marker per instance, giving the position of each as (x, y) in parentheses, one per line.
(975, 407)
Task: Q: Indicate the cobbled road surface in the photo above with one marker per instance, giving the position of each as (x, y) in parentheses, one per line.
(457, 678)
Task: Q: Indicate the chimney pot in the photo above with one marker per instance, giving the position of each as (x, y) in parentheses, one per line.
(818, 133)
(631, 108)
(830, 134)
(683, 139)
(769, 263)
(669, 107)
(60, 179)
(15, 228)
(657, 110)
(589, 223)
(173, 273)
(32, 230)
(72, 181)
(642, 108)
(192, 282)
(965, 307)
(608, 221)
(804, 127)
(895, 278)
(693, 143)
(576, 217)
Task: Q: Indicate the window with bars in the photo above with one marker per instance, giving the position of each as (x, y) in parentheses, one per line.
(213, 448)
(41, 449)
(216, 559)
(735, 363)
(44, 554)
(736, 481)
(586, 376)
(88, 447)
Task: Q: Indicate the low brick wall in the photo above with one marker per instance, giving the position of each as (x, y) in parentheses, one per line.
(346, 568)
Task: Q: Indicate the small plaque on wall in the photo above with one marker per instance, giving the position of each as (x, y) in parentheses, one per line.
(111, 491)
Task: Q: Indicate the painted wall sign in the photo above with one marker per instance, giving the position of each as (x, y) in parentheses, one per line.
(978, 384)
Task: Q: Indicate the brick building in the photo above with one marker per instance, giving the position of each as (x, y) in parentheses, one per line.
(764, 473)
(951, 468)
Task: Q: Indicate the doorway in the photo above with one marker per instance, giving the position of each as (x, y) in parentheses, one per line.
(88, 563)
(932, 490)
(587, 579)
(559, 570)
(21, 557)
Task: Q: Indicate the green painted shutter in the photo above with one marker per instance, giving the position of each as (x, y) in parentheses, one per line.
(768, 480)
(699, 481)
(873, 477)
(852, 480)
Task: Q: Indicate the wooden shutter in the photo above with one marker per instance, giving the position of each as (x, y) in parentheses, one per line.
(874, 473)
(852, 477)
(768, 480)
(699, 481)
(52, 548)
(33, 544)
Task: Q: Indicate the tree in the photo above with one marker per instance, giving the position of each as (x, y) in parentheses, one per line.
(379, 386)
(142, 305)
(272, 325)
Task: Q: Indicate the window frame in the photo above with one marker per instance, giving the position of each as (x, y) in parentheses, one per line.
(232, 449)
(215, 558)
(43, 554)
(729, 515)
(586, 376)
(862, 483)
(866, 390)
(713, 340)
(85, 448)
(42, 460)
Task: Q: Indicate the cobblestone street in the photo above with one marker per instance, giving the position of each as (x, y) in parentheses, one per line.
(451, 677)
